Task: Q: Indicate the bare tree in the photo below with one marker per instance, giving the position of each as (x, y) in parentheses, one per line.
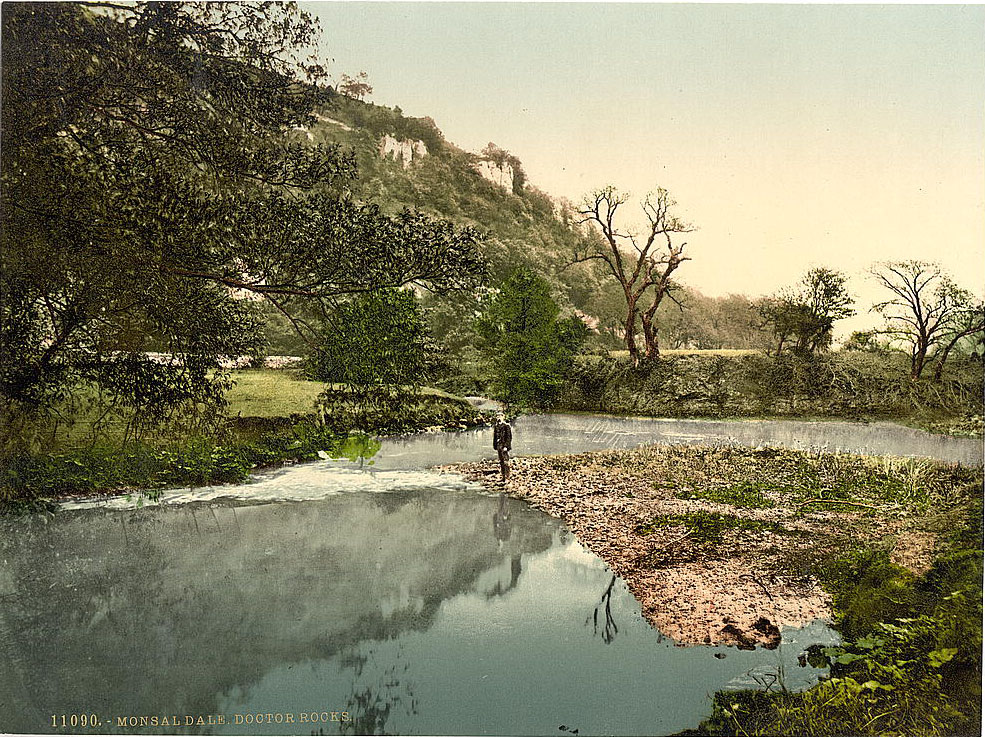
(641, 263)
(968, 320)
(928, 312)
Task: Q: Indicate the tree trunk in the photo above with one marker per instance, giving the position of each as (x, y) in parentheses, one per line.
(917, 362)
(630, 334)
(650, 338)
(939, 364)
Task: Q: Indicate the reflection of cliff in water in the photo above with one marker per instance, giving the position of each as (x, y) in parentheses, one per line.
(158, 611)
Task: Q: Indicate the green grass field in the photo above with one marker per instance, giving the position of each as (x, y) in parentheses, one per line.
(266, 393)
(270, 393)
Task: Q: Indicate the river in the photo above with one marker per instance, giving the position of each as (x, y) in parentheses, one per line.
(412, 601)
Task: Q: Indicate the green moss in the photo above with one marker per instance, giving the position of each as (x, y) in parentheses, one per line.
(748, 495)
(867, 588)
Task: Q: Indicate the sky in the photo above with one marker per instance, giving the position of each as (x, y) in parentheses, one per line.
(791, 136)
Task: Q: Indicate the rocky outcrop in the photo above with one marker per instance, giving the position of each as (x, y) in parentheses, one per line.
(404, 151)
(499, 174)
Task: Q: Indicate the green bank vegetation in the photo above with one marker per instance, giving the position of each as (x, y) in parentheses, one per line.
(852, 385)
(274, 417)
(910, 661)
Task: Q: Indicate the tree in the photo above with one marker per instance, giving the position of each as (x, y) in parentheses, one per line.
(148, 185)
(357, 87)
(378, 347)
(928, 312)
(646, 268)
(697, 321)
(375, 339)
(529, 350)
(806, 313)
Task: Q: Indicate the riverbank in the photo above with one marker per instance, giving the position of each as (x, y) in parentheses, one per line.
(849, 385)
(273, 418)
(727, 545)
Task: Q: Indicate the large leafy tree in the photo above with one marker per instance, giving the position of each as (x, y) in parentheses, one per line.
(148, 186)
(802, 317)
(528, 349)
(378, 339)
(379, 349)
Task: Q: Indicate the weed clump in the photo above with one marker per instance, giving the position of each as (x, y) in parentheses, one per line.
(745, 494)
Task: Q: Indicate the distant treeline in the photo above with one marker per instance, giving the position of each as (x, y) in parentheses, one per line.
(849, 384)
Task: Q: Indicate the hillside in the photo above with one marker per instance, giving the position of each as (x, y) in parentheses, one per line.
(406, 162)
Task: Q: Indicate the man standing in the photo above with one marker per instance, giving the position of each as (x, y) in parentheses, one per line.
(502, 442)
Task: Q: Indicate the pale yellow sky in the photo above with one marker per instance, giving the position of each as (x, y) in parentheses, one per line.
(791, 135)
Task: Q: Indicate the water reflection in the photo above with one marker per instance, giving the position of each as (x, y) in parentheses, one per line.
(609, 627)
(430, 612)
(182, 603)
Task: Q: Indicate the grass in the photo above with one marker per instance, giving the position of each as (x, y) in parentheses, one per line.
(746, 494)
(274, 417)
(708, 528)
(281, 393)
(271, 393)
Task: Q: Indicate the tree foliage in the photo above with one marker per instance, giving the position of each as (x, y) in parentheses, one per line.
(357, 87)
(378, 348)
(802, 318)
(376, 339)
(696, 321)
(641, 263)
(148, 186)
(530, 351)
(928, 312)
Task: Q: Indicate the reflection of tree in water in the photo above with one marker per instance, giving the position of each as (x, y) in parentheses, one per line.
(609, 628)
(516, 568)
(187, 604)
(371, 705)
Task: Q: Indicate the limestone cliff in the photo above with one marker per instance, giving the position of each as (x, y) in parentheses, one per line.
(405, 151)
(499, 174)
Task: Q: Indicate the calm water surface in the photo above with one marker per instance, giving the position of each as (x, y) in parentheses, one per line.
(420, 611)
(414, 601)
